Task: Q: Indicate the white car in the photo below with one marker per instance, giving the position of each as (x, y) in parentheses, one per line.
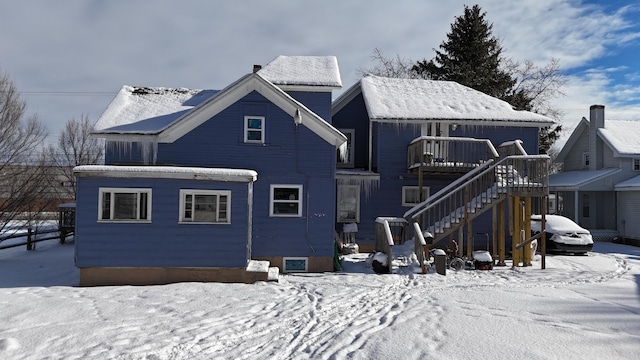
(563, 235)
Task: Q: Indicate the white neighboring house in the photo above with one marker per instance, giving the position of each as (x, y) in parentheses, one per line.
(599, 187)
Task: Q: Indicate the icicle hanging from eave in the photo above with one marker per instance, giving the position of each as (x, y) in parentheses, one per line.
(367, 183)
(148, 146)
(343, 152)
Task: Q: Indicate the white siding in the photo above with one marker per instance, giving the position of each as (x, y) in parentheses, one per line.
(628, 214)
(573, 160)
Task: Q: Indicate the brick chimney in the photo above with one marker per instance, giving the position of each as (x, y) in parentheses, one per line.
(596, 121)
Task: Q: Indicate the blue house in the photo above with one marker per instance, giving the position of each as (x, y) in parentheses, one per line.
(202, 185)
(415, 145)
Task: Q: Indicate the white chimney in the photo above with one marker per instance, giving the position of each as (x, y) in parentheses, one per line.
(596, 121)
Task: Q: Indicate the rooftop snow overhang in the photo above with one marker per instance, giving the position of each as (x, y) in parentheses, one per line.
(303, 73)
(470, 121)
(189, 120)
(576, 180)
(632, 184)
(166, 172)
(354, 173)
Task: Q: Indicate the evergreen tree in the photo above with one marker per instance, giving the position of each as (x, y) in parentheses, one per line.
(470, 56)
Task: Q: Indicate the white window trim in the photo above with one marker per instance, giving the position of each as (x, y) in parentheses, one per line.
(218, 193)
(103, 190)
(357, 219)
(284, 264)
(246, 129)
(585, 159)
(272, 201)
(425, 189)
(633, 164)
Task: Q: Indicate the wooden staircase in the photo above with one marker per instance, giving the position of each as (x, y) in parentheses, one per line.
(479, 190)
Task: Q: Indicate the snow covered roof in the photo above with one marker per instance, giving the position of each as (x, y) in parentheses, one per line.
(573, 180)
(620, 135)
(165, 115)
(393, 99)
(167, 172)
(623, 136)
(632, 184)
(142, 109)
(297, 71)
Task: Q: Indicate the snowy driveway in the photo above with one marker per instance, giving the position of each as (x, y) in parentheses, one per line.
(579, 305)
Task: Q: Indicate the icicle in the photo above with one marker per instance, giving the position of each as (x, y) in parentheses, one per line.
(148, 147)
(367, 182)
(343, 151)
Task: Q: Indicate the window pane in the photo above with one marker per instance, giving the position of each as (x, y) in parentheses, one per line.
(222, 209)
(254, 123)
(188, 207)
(205, 208)
(143, 206)
(411, 196)
(285, 194)
(285, 208)
(106, 205)
(124, 206)
(254, 135)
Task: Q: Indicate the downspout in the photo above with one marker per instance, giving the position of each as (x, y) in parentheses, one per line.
(370, 143)
(575, 207)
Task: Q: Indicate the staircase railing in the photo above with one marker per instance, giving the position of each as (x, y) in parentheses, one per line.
(478, 191)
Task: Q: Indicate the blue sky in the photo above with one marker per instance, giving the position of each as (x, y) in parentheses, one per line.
(71, 57)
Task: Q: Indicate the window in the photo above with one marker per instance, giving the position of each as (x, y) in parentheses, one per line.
(295, 264)
(205, 206)
(124, 204)
(585, 205)
(636, 164)
(254, 129)
(411, 195)
(348, 203)
(348, 162)
(585, 159)
(286, 200)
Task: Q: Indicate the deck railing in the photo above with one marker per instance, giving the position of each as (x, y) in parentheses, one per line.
(448, 154)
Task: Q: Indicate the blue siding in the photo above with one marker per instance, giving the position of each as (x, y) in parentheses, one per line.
(308, 235)
(392, 144)
(291, 154)
(163, 242)
(354, 116)
(318, 102)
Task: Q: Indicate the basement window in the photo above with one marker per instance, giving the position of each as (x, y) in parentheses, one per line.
(295, 264)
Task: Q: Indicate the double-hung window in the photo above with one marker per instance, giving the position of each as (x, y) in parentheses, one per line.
(205, 206)
(636, 164)
(254, 129)
(124, 204)
(285, 200)
(348, 204)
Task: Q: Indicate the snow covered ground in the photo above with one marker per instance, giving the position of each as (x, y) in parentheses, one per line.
(579, 307)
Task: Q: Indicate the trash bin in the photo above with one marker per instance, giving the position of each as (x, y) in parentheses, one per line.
(441, 261)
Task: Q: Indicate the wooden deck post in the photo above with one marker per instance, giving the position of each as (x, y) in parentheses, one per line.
(501, 233)
(526, 250)
(517, 226)
(469, 240)
(494, 228)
